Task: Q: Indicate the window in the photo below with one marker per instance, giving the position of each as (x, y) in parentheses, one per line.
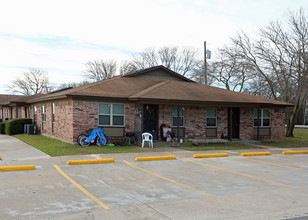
(211, 117)
(211, 122)
(35, 114)
(44, 117)
(175, 116)
(265, 117)
(53, 117)
(111, 114)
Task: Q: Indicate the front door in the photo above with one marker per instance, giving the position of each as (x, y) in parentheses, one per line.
(150, 120)
(234, 123)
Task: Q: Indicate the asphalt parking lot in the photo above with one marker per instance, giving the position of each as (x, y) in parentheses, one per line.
(234, 187)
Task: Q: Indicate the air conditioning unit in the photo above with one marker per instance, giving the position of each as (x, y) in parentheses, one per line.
(29, 129)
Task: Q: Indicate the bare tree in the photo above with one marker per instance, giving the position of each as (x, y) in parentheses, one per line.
(230, 69)
(181, 60)
(279, 56)
(73, 84)
(101, 69)
(127, 67)
(35, 81)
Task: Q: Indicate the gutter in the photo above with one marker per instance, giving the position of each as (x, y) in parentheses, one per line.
(173, 101)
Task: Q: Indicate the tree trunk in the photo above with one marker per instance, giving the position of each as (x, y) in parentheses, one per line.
(291, 118)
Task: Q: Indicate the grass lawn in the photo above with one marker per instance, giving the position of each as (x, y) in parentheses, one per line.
(56, 148)
(300, 139)
(222, 146)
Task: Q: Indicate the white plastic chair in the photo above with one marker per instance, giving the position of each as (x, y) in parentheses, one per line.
(147, 138)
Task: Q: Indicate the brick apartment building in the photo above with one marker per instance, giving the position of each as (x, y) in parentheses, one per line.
(144, 100)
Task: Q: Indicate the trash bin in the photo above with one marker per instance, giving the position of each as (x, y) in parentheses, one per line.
(31, 129)
(25, 128)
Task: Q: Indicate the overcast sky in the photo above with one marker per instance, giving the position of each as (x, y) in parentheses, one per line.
(60, 36)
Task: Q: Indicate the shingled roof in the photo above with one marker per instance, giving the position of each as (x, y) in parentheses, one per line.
(160, 91)
(133, 88)
(5, 99)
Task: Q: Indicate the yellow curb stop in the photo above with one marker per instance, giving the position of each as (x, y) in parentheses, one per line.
(168, 157)
(255, 153)
(105, 160)
(295, 152)
(15, 168)
(210, 155)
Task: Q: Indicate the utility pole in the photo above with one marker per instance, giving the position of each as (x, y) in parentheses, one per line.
(205, 67)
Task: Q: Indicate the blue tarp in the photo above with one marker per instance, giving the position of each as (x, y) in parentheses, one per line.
(101, 140)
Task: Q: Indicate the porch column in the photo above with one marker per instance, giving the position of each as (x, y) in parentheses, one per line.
(258, 125)
(2, 113)
(178, 128)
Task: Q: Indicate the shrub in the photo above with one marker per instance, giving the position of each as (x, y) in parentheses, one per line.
(2, 128)
(16, 126)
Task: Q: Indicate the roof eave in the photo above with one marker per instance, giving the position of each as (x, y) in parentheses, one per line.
(261, 104)
(46, 99)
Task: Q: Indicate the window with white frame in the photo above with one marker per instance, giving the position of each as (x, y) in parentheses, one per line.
(175, 116)
(44, 117)
(211, 117)
(34, 114)
(111, 114)
(264, 118)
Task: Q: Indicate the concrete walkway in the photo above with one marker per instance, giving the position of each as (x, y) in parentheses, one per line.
(13, 149)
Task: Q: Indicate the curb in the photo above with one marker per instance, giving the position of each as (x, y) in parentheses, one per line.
(210, 155)
(295, 152)
(169, 157)
(255, 153)
(106, 160)
(15, 168)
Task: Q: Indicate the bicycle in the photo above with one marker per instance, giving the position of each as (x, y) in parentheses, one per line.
(82, 139)
(85, 133)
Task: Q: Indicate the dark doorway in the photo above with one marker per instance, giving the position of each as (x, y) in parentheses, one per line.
(150, 120)
(234, 123)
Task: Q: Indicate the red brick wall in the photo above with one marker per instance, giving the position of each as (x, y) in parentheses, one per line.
(63, 119)
(133, 113)
(85, 116)
(246, 123)
(74, 117)
(195, 121)
(165, 115)
(278, 116)
(222, 121)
